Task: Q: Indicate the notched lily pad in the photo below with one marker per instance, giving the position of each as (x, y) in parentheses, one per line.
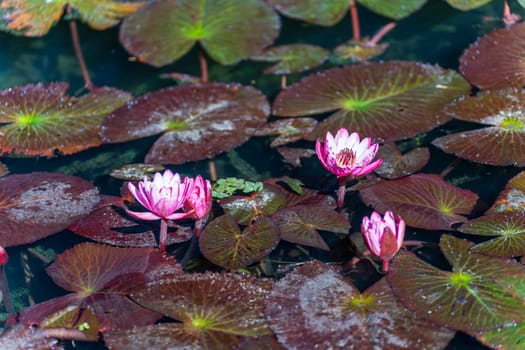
(39, 204)
(396, 165)
(466, 298)
(228, 30)
(509, 229)
(395, 9)
(289, 130)
(39, 119)
(315, 305)
(495, 60)
(423, 200)
(325, 13)
(387, 100)
(293, 58)
(223, 243)
(35, 17)
(75, 318)
(503, 143)
(198, 121)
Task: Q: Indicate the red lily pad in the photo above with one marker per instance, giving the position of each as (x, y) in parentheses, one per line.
(35, 17)
(509, 229)
(396, 165)
(223, 243)
(215, 311)
(466, 298)
(299, 224)
(289, 130)
(293, 155)
(423, 200)
(73, 317)
(37, 205)
(39, 119)
(198, 121)
(315, 305)
(387, 100)
(395, 9)
(20, 337)
(293, 58)
(163, 31)
(108, 223)
(357, 50)
(512, 198)
(494, 60)
(325, 13)
(466, 5)
(501, 144)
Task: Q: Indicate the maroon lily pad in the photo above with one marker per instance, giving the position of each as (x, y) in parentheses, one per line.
(315, 305)
(198, 121)
(396, 165)
(325, 13)
(289, 130)
(293, 58)
(512, 198)
(20, 337)
(39, 119)
(37, 205)
(293, 155)
(76, 318)
(423, 200)
(466, 298)
(501, 144)
(35, 17)
(387, 100)
(108, 223)
(228, 30)
(215, 311)
(509, 229)
(494, 60)
(223, 243)
(299, 224)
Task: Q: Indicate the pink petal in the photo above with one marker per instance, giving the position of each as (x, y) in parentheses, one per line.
(146, 215)
(178, 216)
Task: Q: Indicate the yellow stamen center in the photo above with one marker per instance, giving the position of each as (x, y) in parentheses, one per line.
(345, 158)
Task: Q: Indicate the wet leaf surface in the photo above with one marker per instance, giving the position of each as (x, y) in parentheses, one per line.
(396, 165)
(292, 58)
(356, 51)
(289, 130)
(73, 317)
(325, 13)
(136, 172)
(423, 201)
(512, 198)
(395, 9)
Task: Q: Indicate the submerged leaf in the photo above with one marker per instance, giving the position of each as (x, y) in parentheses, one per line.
(325, 13)
(293, 58)
(396, 165)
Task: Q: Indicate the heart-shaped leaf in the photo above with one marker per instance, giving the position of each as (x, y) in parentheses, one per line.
(423, 200)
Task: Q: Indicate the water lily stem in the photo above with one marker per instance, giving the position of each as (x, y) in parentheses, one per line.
(163, 237)
(5, 292)
(78, 52)
(381, 33)
(342, 190)
(386, 265)
(204, 66)
(283, 81)
(355, 21)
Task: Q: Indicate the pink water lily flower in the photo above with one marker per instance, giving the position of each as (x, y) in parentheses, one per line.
(383, 235)
(199, 202)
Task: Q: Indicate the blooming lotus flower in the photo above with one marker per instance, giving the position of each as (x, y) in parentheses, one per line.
(383, 235)
(345, 155)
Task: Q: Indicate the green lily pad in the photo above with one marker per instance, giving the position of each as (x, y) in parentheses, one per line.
(396, 165)
(315, 305)
(494, 60)
(299, 224)
(35, 17)
(512, 198)
(223, 243)
(293, 58)
(423, 201)
(395, 9)
(501, 144)
(466, 298)
(39, 119)
(466, 5)
(215, 311)
(74, 317)
(198, 121)
(356, 51)
(325, 13)
(229, 30)
(387, 100)
(510, 229)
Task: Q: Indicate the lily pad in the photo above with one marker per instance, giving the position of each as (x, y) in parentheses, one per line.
(136, 172)
(198, 121)
(396, 165)
(423, 200)
(512, 198)
(315, 305)
(35, 17)
(388, 100)
(325, 13)
(466, 5)
(39, 119)
(494, 60)
(228, 30)
(510, 229)
(223, 243)
(293, 58)
(503, 143)
(289, 130)
(357, 50)
(73, 317)
(293, 155)
(466, 298)
(37, 205)
(299, 224)
(395, 9)
(215, 311)
(23, 337)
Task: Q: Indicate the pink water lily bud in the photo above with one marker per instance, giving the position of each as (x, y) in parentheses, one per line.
(345, 154)
(199, 201)
(383, 235)
(162, 197)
